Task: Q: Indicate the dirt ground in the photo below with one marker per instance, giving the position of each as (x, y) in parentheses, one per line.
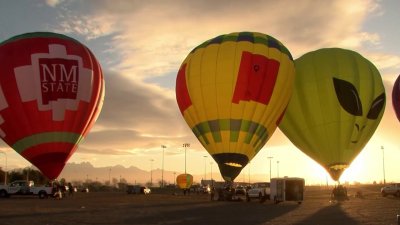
(121, 208)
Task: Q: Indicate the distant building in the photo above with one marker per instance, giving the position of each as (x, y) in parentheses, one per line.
(213, 183)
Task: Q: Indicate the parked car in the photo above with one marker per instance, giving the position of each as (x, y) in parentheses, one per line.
(195, 188)
(392, 189)
(240, 190)
(137, 189)
(260, 190)
(240, 193)
(205, 189)
(23, 187)
(85, 190)
(18, 187)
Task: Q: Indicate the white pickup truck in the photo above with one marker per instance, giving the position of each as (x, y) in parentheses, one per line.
(23, 187)
(260, 190)
(392, 189)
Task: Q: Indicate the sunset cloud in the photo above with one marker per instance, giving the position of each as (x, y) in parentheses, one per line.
(152, 38)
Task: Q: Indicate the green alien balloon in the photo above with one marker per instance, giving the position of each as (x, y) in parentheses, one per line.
(337, 104)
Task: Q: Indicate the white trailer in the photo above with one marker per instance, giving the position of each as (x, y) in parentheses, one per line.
(287, 189)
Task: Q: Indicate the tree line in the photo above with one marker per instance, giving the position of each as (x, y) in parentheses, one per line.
(38, 178)
(24, 174)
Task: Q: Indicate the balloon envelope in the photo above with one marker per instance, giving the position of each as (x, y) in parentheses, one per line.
(184, 181)
(337, 104)
(396, 97)
(232, 91)
(51, 93)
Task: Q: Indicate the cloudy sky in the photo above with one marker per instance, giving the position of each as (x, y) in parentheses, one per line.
(141, 44)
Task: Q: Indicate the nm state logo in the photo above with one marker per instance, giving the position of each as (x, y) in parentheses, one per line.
(56, 80)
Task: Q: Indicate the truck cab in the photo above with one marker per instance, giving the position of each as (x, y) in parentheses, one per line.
(23, 187)
(259, 190)
(392, 189)
(18, 187)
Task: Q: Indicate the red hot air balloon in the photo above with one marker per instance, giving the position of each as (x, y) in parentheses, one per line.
(51, 93)
(396, 97)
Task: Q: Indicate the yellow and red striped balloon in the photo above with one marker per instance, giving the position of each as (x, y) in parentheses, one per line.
(184, 181)
(232, 91)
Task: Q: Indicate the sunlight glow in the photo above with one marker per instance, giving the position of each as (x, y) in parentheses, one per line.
(233, 164)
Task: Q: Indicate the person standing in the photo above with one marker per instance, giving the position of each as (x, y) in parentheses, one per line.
(70, 189)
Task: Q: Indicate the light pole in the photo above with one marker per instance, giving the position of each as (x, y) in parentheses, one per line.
(27, 173)
(277, 168)
(205, 167)
(151, 172)
(185, 145)
(109, 176)
(5, 169)
(383, 163)
(174, 178)
(162, 171)
(212, 182)
(249, 173)
(270, 157)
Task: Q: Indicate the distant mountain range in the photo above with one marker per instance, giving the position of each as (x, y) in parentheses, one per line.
(86, 171)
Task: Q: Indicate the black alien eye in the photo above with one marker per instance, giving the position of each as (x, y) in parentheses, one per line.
(348, 96)
(376, 107)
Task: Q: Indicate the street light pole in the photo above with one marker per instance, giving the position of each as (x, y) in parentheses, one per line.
(277, 168)
(162, 171)
(249, 172)
(205, 167)
(212, 183)
(185, 145)
(151, 172)
(270, 157)
(109, 176)
(383, 162)
(174, 178)
(5, 169)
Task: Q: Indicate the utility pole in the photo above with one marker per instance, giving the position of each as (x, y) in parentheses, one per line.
(277, 168)
(185, 145)
(383, 163)
(205, 167)
(162, 171)
(212, 182)
(109, 176)
(151, 172)
(270, 157)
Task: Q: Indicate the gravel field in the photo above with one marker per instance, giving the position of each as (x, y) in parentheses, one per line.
(157, 208)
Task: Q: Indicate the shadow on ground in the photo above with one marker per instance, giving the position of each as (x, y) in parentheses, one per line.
(332, 214)
(217, 213)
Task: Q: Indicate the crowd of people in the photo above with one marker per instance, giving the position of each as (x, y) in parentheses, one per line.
(339, 193)
(61, 190)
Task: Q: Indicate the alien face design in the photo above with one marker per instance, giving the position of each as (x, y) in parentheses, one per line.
(350, 101)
